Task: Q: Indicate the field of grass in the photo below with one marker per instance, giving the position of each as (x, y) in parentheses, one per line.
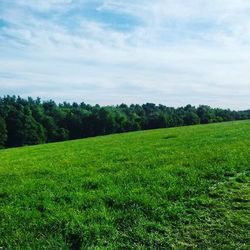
(178, 188)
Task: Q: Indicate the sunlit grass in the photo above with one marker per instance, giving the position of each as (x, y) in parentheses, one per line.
(170, 188)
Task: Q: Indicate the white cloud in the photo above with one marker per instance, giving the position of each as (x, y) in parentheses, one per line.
(177, 52)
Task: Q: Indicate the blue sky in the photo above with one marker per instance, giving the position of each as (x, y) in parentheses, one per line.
(172, 52)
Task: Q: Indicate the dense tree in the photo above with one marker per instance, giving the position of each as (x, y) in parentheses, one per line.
(3, 132)
(156, 120)
(191, 118)
(32, 130)
(31, 121)
(15, 127)
(206, 114)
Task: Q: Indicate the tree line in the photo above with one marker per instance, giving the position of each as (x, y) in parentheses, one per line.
(31, 121)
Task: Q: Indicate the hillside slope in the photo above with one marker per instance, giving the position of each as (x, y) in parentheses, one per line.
(176, 188)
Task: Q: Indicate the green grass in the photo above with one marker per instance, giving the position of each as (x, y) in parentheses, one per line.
(178, 188)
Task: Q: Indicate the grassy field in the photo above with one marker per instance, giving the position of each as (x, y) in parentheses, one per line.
(178, 188)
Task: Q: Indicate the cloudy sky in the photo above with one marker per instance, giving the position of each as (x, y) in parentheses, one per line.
(172, 52)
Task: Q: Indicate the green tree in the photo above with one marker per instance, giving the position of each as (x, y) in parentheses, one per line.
(157, 120)
(30, 121)
(206, 114)
(191, 118)
(14, 124)
(3, 133)
(33, 131)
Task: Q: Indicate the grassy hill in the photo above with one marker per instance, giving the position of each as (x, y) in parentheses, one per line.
(179, 188)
